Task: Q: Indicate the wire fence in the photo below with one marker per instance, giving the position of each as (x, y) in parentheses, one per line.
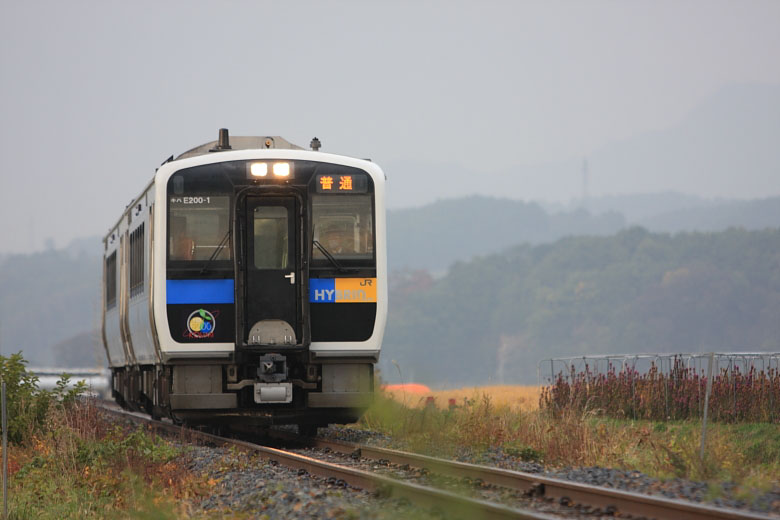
(745, 386)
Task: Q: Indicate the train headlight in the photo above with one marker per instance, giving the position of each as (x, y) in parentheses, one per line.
(282, 169)
(259, 169)
(263, 170)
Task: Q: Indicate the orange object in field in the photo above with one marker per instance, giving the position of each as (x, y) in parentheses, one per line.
(409, 388)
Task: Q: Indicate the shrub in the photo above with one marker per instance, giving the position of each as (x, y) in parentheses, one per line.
(28, 405)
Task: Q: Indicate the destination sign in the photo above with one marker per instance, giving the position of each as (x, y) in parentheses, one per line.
(338, 183)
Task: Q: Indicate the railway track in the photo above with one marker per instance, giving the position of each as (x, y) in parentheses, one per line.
(609, 500)
(576, 499)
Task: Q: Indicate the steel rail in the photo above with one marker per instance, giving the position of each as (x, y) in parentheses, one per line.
(619, 501)
(450, 504)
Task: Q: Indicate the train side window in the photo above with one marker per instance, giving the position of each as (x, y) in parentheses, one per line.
(137, 261)
(271, 237)
(344, 225)
(198, 228)
(111, 281)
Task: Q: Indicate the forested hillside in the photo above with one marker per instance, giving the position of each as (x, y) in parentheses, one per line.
(494, 318)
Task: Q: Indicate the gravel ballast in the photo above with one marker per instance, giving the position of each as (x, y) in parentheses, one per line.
(243, 483)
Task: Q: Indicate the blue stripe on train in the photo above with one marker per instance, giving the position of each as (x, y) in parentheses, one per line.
(200, 291)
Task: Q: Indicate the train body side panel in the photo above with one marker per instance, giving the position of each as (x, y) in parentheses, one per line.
(141, 331)
(138, 322)
(127, 330)
(116, 353)
(112, 336)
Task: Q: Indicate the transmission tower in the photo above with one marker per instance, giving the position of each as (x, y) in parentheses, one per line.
(584, 201)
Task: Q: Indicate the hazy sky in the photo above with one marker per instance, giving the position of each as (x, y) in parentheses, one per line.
(95, 95)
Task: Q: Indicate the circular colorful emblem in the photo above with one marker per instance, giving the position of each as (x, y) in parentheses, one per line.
(201, 324)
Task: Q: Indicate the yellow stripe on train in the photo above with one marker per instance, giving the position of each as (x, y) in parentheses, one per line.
(351, 290)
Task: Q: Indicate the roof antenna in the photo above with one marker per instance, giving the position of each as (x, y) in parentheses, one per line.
(224, 141)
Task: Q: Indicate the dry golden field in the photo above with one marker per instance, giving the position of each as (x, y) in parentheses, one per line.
(515, 397)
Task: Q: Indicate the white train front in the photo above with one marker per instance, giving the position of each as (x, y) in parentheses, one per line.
(249, 281)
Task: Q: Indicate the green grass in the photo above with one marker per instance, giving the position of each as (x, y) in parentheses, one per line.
(760, 442)
(80, 467)
(747, 454)
(66, 461)
(43, 491)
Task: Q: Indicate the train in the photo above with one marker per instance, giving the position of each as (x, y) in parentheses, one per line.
(247, 283)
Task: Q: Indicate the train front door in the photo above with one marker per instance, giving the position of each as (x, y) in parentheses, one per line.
(271, 295)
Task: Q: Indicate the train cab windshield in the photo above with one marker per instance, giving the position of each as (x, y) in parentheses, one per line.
(198, 227)
(344, 226)
(202, 205)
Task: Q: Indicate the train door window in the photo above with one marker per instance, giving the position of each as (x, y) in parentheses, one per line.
(137, 261)
(271, 237)
(343, 225)
(198, 228)
(111, 281)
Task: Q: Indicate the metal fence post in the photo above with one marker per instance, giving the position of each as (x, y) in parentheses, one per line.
(771, 393)
(666, 389)
(5, 453)
(706, 405)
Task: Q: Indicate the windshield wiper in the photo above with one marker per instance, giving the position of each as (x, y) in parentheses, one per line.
(217, 250)
(340, 268)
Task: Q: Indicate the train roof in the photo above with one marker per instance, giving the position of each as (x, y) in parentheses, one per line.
(241, 143)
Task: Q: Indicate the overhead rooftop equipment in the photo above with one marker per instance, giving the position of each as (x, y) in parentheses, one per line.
(225, 142)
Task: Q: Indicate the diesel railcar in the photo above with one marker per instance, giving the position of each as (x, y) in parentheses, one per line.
(248, 283)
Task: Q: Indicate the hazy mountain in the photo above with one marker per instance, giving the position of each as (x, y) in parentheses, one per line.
(88, 246)
(636, 207)
(752, 214)
(84, 349)
(46, 298)
(728, 142)
(435, 236)
(673, 212)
